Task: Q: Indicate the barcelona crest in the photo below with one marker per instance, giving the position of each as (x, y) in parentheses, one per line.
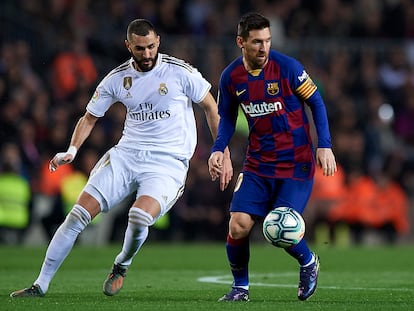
(273, 88)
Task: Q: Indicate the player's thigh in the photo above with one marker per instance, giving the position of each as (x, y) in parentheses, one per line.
(163, 188)
(162, 177)
(110, 180)
(293, 193)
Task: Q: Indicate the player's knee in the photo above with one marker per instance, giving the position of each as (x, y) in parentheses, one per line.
(239, 230)
(240, 227)
(139, 217)
(78, 218)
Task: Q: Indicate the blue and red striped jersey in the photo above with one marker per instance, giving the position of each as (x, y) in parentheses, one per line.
(272, 100)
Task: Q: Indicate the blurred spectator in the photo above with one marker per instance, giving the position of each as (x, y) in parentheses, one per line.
(39, 112)
(73, 69)
(9, 117)
(350, 147)
(28, 147)
(170, 17)
(197, 13)
(404, 118)
(114, 17)
(359, 199)
(325, 195)
(202, 214)
(333, 18)
(48, 207)
(380, 139)
(369, 203)
(394, 74)
(368, 19)
(15, 196)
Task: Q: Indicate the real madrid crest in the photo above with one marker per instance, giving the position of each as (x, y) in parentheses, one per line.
(273, 88)
(163, 90)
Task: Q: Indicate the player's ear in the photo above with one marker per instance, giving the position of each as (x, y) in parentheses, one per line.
(127, 46)
(239, 41)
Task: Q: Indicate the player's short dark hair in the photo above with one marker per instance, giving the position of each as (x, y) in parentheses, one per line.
(251, 21)
(140, 27)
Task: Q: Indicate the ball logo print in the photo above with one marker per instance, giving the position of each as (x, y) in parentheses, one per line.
(283, 227)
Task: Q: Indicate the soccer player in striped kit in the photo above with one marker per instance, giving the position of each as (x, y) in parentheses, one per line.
(271, 88)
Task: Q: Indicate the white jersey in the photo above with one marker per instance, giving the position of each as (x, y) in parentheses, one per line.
(160, 114)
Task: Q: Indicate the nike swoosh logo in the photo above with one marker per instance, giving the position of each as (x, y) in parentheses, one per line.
(238, 93)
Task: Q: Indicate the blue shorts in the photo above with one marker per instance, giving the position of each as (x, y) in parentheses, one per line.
(257, 195)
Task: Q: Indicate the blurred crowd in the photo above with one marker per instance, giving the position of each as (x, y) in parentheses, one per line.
(360, 53)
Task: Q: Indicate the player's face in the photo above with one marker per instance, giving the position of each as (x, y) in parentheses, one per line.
(144, 50)
(255, 49)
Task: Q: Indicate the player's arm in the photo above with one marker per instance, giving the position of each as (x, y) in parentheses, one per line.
(228, 111)
(81, 132)
(324, 154)
(309, 93)
(209, 106)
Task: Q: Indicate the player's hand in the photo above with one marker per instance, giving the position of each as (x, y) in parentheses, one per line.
(215, 164)
(62, 158)
(226, 174)
(326, 160)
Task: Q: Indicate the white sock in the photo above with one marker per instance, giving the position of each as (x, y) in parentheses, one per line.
(310, 262)
(61, 244)
(246, 287)
(135, 236)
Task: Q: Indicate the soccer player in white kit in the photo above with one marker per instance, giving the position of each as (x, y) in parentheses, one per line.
(152, 157)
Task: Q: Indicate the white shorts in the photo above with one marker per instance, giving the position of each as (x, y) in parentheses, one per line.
(121, 172)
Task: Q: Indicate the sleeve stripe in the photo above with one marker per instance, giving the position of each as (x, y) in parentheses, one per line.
(120, 68)
(307, 89)
(175, 61)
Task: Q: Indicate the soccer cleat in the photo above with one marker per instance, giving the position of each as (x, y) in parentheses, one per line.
(308, 279)
(33, 291)
(236, 294)
(114, 281)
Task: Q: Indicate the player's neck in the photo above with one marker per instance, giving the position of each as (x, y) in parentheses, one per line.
(251, 68)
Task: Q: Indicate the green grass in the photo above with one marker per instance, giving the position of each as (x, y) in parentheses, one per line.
(167, 277)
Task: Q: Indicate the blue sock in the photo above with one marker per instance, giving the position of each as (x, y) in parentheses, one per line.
(238, 254)
(301, 252)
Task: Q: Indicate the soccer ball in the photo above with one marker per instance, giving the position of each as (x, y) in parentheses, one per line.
(283, 227)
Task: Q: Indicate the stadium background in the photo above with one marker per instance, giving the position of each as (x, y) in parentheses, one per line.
(53, 53)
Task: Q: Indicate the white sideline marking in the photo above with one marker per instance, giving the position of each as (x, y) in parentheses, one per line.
(227, 279)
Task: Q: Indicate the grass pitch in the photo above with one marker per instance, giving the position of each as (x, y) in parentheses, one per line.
(193, 276)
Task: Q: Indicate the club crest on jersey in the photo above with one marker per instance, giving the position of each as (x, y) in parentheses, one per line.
(127, 83)
(95, 95)
(163, 90)
(273, 88)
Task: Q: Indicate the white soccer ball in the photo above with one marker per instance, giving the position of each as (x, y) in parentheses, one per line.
(283, 227)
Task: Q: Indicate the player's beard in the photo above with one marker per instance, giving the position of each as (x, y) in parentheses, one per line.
(254, 62)
(259, 63)
(141, 64)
